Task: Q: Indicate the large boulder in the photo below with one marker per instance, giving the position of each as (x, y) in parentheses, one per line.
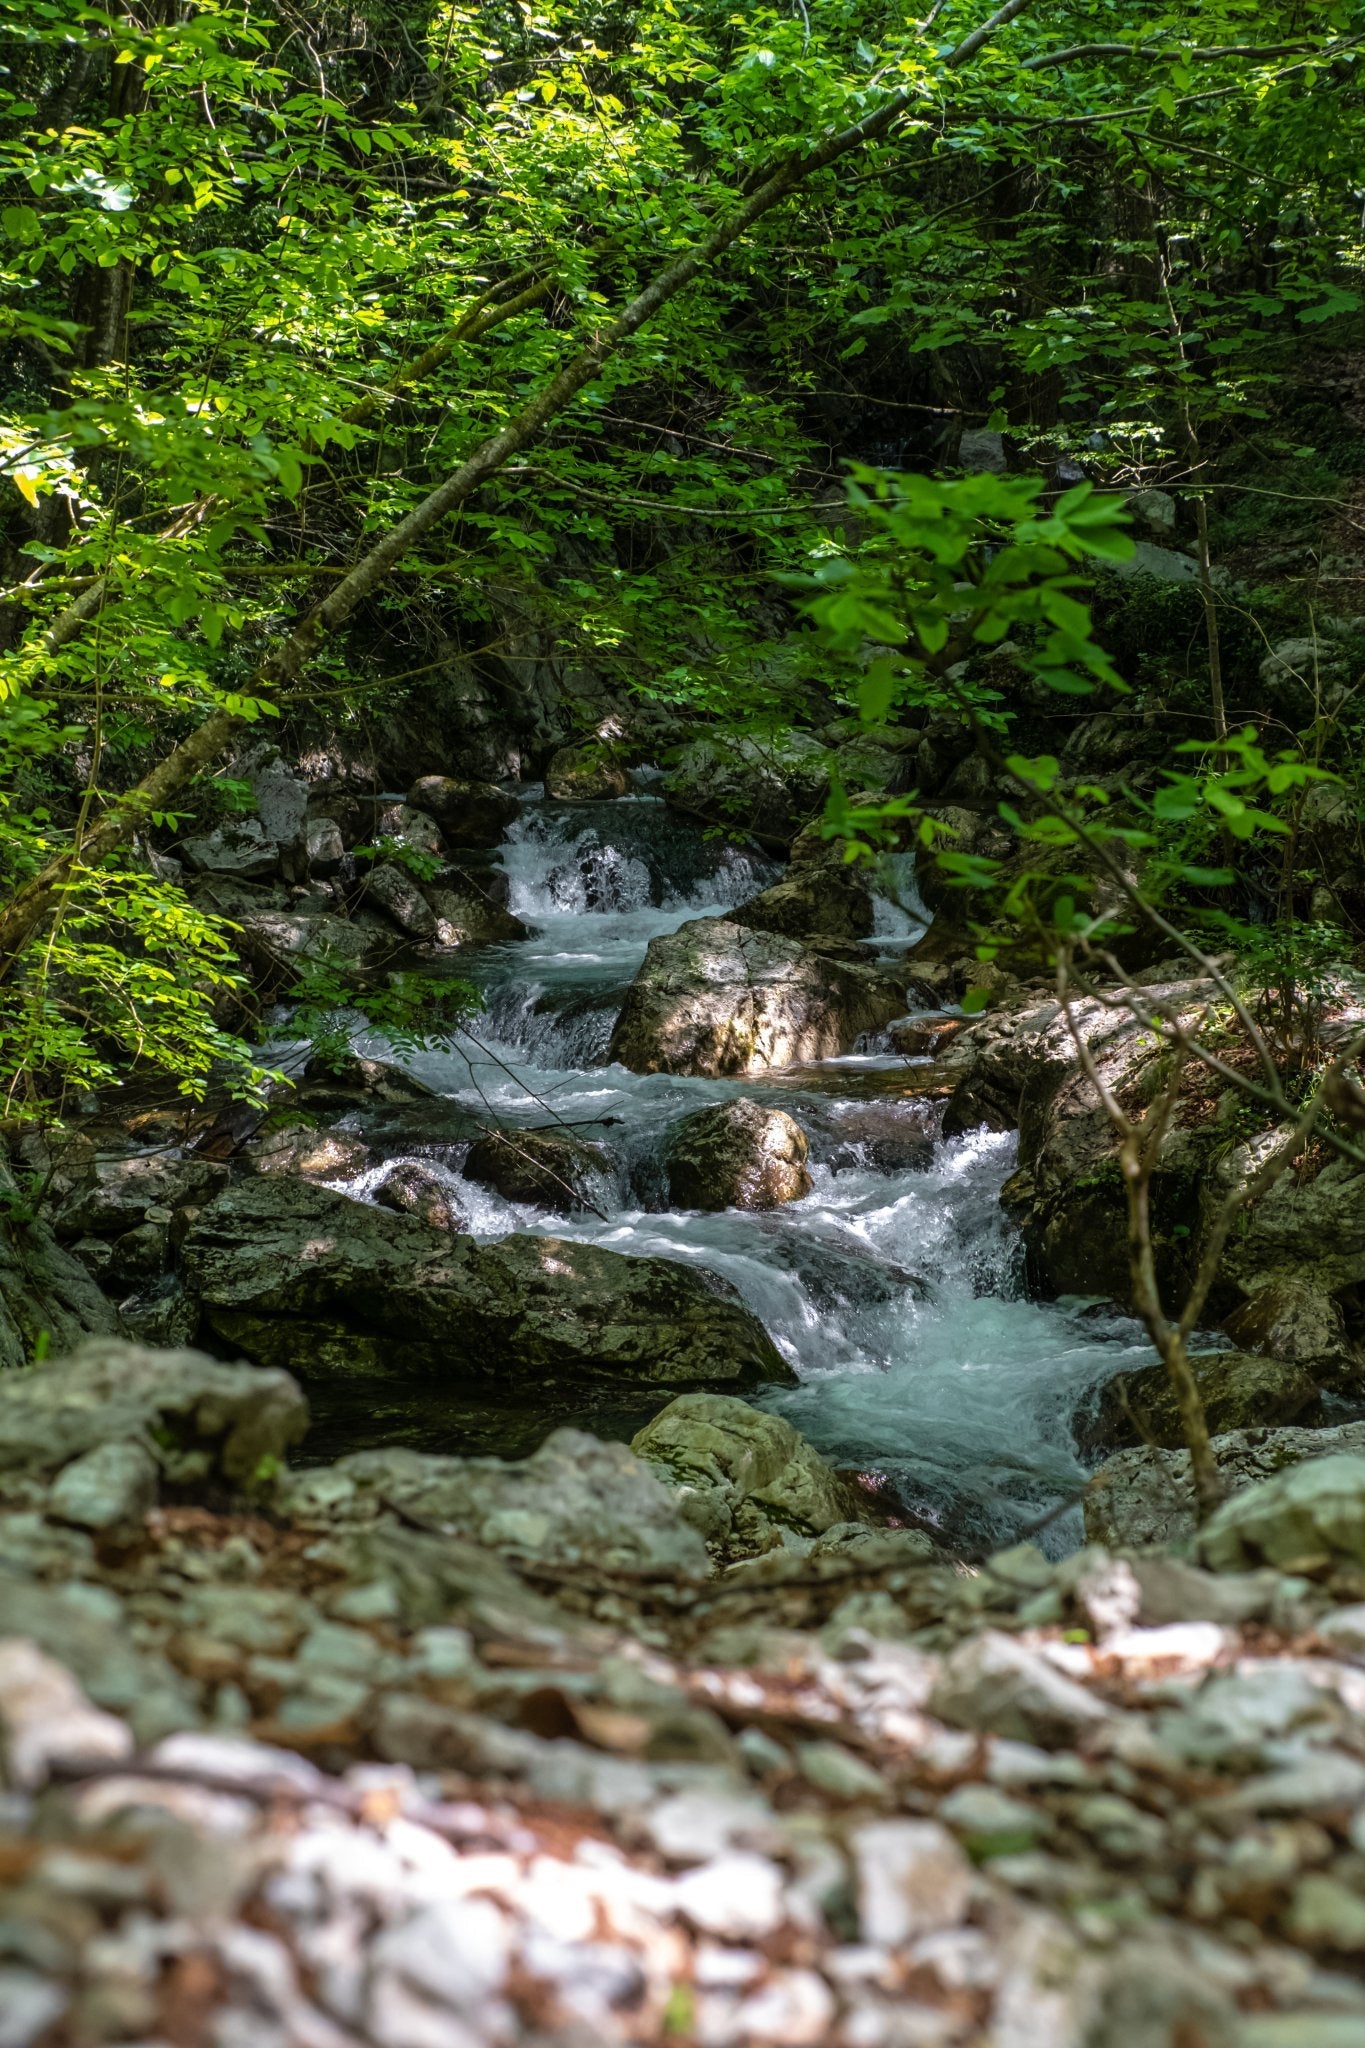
(768, 788)
(467, 916)
(552, 1170)
(743, 1476)
(299, 1276)
(1240, 1390)
(198, 1417)
(737, 1155)
(717, 998)
(278, 944)
(468, 813)
(1143, 1498)
(47, 1296)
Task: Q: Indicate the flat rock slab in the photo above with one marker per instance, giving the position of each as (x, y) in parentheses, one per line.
(300, 1276)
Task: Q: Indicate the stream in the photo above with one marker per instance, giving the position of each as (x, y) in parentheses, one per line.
(894, 1288)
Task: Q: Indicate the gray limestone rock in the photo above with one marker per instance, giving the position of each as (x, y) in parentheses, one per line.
(737, 1155)
(741, 1474)
(197, 1414)
(1143, 1498)
(718, 998)
(575, 1500)
(110, 1490)
(299, 1275)
(1309, 1516)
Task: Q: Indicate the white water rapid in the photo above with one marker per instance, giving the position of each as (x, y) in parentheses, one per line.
(894, 1288)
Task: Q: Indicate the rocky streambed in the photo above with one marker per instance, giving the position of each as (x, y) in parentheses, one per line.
(714, 1130)
(421, 1752)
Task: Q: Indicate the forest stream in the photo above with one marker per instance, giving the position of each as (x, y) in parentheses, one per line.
(894, 1288)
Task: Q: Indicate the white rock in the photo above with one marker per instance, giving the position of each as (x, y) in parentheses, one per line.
(402, 2018)
(997, 1685)
(454, 1952)
(912, 1880)
(29, 2005)
(1344, 1631)
(737, 1896)
(1320, 1784)
(693, 1827)
(47, 1720)
(794, 2009)
(1049, 1988)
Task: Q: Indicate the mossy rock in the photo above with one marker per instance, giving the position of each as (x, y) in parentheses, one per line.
(1239, 1389)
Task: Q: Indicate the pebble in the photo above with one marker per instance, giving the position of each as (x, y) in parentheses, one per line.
(737, 1896)
(912, 1879)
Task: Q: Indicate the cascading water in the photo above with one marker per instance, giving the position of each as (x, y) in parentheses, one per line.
(893, 1287)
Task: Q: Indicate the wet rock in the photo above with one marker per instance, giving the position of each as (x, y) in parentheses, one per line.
(1301, 1520)
(349, 1082)
(301, 1152)
(741, 1474)
(1239, 1390)
(471, 814)
(417, 1191)
(769, 788)
(737, 1155)
(585, 774)
(467, 916)
(47, 1721)
(575, 1500)
(121, 1191)
(717, 998)
(110, 1490)
(198, 1415)
(925, 1035)
(296, 1273)
(996, 1685)
(551, 1170)
(394, 891)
